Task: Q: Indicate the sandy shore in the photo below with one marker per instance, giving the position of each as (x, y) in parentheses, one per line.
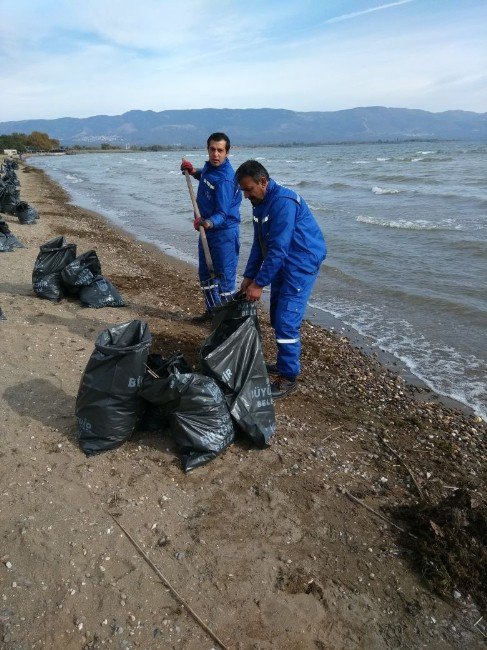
(264, 544)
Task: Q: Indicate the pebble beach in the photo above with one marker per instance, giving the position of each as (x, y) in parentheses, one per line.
(274, 548)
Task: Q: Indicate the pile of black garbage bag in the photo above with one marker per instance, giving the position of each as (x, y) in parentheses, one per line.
(10, 202)
(125, 389)
(58, 273)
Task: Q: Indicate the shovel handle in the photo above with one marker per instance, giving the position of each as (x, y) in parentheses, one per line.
(204, 241)
(192, 195)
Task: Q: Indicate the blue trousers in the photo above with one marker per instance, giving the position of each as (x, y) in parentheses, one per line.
(224, 248)
(289, 296)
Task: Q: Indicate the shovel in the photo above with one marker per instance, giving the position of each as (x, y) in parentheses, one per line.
(212, 290)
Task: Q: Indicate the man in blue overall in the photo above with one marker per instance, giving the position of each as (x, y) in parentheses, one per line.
(218, 199)
(287, 252)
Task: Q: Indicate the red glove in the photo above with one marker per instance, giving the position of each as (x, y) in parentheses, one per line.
(198, 221)
(186, 166)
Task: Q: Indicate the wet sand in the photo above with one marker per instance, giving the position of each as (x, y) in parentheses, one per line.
(264, 544)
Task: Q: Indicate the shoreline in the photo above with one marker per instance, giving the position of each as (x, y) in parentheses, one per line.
(422, 391)
(263, 543)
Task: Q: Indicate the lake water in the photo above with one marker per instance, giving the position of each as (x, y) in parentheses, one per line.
(405, 225)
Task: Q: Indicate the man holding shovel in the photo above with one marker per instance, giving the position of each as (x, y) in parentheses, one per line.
(218, 200)
(287, 252)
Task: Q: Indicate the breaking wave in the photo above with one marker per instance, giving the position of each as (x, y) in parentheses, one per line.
(407, 224)
(381, 190)
(73, 179)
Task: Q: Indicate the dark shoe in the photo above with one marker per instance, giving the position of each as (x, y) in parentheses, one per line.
(282, 386)
(271, 369)
(202, 318)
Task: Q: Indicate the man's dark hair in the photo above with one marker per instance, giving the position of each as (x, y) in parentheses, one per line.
(217, 137)
(252, 168)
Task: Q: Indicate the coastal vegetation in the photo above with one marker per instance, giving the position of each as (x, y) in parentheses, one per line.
(32, 143)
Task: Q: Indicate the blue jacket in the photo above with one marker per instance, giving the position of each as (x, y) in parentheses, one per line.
(219, 196)
(286, 237)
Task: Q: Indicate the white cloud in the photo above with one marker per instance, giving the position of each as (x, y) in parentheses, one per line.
(92, 58)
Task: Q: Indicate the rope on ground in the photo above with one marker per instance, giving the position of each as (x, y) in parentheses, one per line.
(403, 463)
(168, 585)
(374, 512)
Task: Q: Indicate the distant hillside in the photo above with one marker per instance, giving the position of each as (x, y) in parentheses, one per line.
(259, 126)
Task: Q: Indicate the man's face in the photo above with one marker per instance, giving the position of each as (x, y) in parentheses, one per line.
(254, 191)
(217, 152)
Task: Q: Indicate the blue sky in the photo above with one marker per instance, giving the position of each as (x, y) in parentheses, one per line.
(63, 58)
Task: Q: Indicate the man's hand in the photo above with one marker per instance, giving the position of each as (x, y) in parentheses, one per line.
(198, 221)
(186, 166)
(245, 283)
(253, 292)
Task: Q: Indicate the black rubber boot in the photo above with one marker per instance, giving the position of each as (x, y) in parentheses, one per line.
(205, 317)
(283, 386)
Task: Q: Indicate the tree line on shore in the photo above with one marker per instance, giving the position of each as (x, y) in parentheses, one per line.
(42, 142)
(23, 143)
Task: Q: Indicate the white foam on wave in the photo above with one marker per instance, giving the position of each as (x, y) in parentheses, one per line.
(73, 179)
(360, 162)
(425, 153)
(135, 159)
(381, 190)
(407, 224)
(382, 159)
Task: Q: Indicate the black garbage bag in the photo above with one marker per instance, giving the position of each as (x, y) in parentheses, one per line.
(100, 293)
(108, 405)
(9, 200)
(10, 164)
(26, 214)
(5, 246)
(237, 363)
(54, 255)
(232, 314)
(14, 242)
(81, 272)
(10, 179)
(10, 239)
(154, 391)
(201, 424)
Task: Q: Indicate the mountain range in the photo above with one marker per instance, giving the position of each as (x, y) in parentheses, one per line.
(253, 126)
